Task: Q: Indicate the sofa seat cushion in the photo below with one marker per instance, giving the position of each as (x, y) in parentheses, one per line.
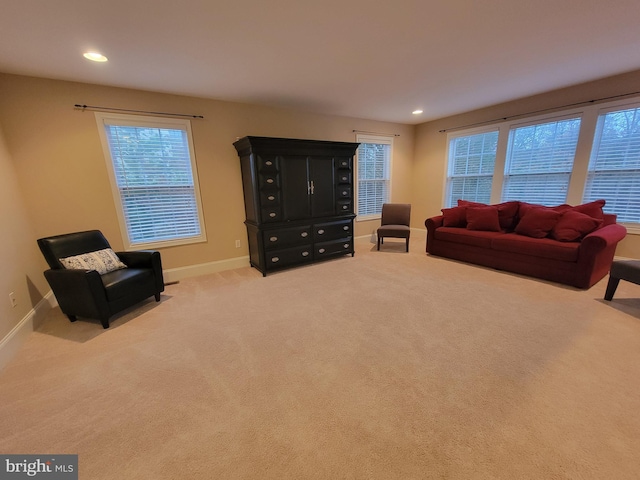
(536, 247)
(478, 238)
(121, 283)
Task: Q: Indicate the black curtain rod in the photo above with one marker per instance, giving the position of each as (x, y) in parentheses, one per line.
(378, 133)
(110, 109)
(538, 111)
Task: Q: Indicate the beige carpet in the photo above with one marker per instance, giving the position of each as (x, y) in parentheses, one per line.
(383, 366)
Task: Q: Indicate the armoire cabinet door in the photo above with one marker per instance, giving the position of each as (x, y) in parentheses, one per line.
(295, 188)
(322, 186)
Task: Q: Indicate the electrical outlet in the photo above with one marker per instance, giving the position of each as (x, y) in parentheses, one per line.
(237, 243)
(12, 299)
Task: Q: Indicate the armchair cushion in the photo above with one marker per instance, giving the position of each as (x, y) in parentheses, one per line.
(102, 261)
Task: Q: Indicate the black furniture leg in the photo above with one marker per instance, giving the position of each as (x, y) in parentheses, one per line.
(379, 238)
(407, 244)
(611, 287)
(72, 318)
(105, 323)
(158, 297)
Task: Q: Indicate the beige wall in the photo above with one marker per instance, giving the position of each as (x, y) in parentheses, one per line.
(429, 168)
(58, 157)
(21, 271)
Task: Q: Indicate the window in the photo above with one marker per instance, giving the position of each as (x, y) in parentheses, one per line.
(472, 159)
(614, 167)
(154, 179)
(374, 175)
(539, 162)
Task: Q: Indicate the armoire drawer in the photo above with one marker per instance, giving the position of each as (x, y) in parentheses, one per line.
(288, 256)
(283, 237)
(323, 232)
(326, 249)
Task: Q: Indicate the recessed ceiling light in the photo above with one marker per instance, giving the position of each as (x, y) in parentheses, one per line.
(417, 112)
(95, 57)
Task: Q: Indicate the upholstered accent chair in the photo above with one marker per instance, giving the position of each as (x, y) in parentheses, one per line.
(90, 280)
(395, 222)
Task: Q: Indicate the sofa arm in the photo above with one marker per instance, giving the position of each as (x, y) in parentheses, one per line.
(79, 292)
(604, 237)
(434, 222)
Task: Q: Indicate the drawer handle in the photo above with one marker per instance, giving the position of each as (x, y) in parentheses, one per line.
(269, 180)
(344, 207)
(344, 164)
(320, 232)
(272, 214)
(275, 259)
(268, 162)
(345, 193)
(345, 228)
(343, 179)
(322, 250)
(305, 254)
(273, 239)
(304, 234)
(346, 245)
(271, 198)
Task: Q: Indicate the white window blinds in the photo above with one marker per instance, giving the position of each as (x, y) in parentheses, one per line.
(472, 160)
(614, 168)
(539, 162)
(373, 175)
(154, 173)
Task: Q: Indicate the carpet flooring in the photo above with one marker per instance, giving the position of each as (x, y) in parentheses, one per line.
(388, 365)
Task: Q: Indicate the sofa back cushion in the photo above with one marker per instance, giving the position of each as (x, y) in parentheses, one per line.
(537, 222)
(483, 218)
(573, 226)
(507, 212)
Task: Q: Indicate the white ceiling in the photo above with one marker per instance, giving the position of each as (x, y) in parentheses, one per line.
(376, 60)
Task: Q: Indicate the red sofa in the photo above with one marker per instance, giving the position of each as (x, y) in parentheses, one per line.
(570, 245)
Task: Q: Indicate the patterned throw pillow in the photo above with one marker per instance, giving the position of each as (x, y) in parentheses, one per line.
(102, 261)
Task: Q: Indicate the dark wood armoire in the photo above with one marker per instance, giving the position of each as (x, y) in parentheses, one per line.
(298, 198)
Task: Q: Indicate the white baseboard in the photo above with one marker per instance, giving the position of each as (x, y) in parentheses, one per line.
(176, 274)
(12, 342)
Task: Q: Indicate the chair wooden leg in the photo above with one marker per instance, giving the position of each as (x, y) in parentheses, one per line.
(611, 287)
(407, 244)
(379, 238)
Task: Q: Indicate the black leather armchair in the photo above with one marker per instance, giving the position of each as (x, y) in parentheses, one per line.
(86, 293)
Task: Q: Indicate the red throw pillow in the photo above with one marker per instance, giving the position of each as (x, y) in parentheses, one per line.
(573, 225)
(537, 222)
(593, 209)
(507, 211)
(454, 217)
(483, 218)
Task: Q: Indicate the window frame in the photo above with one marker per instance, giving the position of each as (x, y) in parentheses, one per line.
(144, 121)
(451, 137)
(513, 127)
(601, 113)
(378, 140)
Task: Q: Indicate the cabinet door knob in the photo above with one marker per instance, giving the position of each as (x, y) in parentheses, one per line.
(321, 250)
(346, 245)
(345, 193)
(273, 239)
(275, 259)
(268, 162)
(272, 214)
(344, 207)
(320, 232)
(345, 228)
(271, 198)
(269, 180)
(304, 234)
(305, 254)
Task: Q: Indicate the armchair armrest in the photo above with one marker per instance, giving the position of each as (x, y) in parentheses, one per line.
(145, 259)
(79, 292)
